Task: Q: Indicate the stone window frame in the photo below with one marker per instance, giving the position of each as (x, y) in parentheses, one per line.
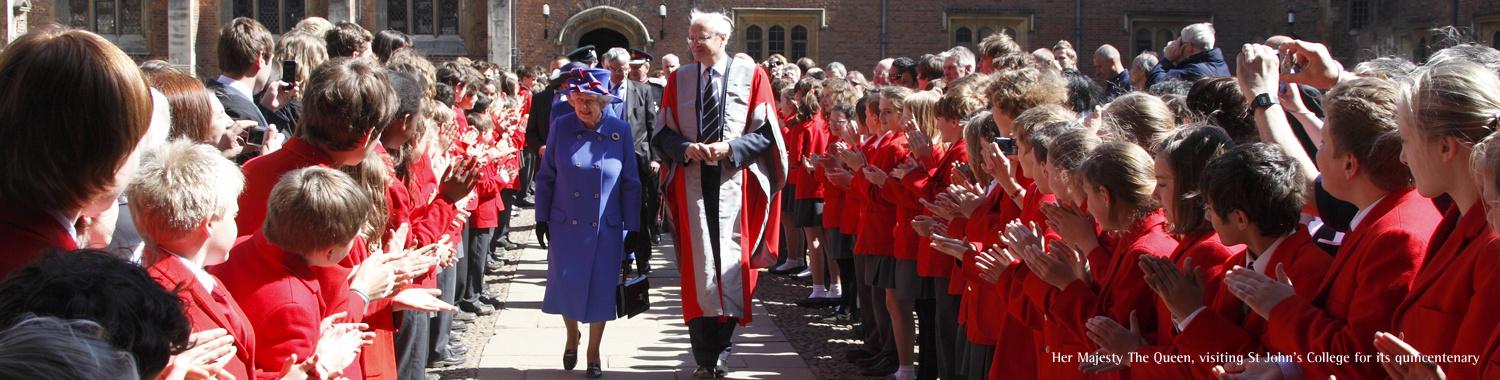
(1160, 28)
(285, 20)
(434, 44)
(812, 20)
(1487, 28)
(133, 44)
(980, 23)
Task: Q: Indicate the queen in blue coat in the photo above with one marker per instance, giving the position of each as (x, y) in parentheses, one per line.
(589, 193)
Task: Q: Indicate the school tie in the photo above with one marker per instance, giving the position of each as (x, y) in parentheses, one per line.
(711, 126)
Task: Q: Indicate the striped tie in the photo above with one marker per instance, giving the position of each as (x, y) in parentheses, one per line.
(711, 126)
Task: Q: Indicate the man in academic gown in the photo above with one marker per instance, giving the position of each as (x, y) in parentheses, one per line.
(726, 165)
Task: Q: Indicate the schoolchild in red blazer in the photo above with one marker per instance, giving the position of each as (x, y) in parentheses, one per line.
(281, 274)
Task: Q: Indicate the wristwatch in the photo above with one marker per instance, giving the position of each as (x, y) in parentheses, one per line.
(1263, 101)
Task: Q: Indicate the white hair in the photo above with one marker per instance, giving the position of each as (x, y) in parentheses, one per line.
(1200, 35)
(616, 54)
(179, 187)
(716, 22)
(964, 55)
(1108, 52)
(1144, 62)
(837, 69)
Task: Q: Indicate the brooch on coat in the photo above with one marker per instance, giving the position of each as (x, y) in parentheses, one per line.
(615, 136)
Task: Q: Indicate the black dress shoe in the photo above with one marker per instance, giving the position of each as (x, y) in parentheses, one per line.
(450, 361)
(477, 309)
(703, 373)
(570, 359)
(458, 349)
(721, 372)
(595, 371)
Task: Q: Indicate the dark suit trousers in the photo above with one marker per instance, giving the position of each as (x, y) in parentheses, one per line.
(471, 276)
(442, 322)
(411, 345)
(529, 160)
(652, 200)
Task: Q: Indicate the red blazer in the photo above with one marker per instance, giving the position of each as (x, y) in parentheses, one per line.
(1119, 287)
(814, 141)
(262, 173)
(833, 198)
(880, 214)
(283, 299)
(927, 184)
(28, 233)
(1369, 277)
(431, 216)
(208, 310)
(1212, 258)
(1226, 326)
(1451, 307)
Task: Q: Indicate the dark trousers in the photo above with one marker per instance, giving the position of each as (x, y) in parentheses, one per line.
(442, 322)
(927, 362)
(529, 160)
(946, 324)
(710, 337)
(651, 203)
(502, 233)
(848, 276)
(471, 279)
(878, 336)
(411, 345)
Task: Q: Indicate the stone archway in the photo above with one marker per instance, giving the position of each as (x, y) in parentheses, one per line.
(604, 17)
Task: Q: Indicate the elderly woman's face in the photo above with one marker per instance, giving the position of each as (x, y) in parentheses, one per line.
(589, 107)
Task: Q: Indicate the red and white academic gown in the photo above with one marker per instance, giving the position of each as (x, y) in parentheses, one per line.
(1369, 277)
(749, 196)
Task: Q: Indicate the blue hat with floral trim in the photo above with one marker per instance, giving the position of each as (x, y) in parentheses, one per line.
(589, 81)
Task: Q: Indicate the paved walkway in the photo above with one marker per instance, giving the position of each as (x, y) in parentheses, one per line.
(528, 344)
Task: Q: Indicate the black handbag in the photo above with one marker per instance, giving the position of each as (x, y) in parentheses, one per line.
(632, 296)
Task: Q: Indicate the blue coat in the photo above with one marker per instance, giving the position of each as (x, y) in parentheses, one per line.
(1202, 65)
(589, 191)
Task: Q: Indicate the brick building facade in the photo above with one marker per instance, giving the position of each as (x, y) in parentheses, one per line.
(856, 32)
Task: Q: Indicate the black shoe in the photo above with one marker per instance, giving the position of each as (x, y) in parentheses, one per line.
(450, 361)
(789, 271)
(509, 245)
(458, 349)
(490, 300)
(721, 372)
(595, 371)
(816, 302)
(570, 359)
(704, 373)
(494, 266)
(882, 369)
(525, 202)
(476, 309)
(462, 317)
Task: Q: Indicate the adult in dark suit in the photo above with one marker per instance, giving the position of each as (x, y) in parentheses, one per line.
(639, 110)
(245, 55)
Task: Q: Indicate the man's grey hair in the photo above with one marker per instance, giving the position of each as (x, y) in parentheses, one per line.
(1200, 35)
(965, 56)
(1108, 52)
(617, 54)
(716, 22)
(63, 349)
(837, 69)
(1145, 62)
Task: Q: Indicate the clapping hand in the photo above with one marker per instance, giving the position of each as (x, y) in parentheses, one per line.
(1181, 290)
(992, 262)
(1074, 226)
(339, 344)
(1254, 370)
(375, 277)
(949, 246)
(1113, 338)
(839, 177)
(421, 300)
(1095, 365)
(917, 141)
(925, 225)
(906, 167)
(851, 158)
(874, 175)
(1259, 292)
(939, 209)
(207, 352)
(1408, 369)
(996, 163)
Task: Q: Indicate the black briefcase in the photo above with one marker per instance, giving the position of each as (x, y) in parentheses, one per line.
(632, 296)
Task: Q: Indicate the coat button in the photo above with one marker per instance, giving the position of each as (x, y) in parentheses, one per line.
(575, 221)
(577, 164)
(596, 224)
(596, 195)
(576, 194)
(598, 138)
